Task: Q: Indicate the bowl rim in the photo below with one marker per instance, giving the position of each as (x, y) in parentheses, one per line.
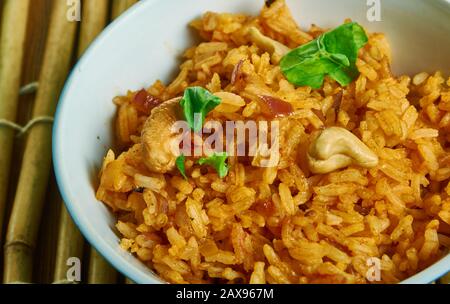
(95, 240)
(428, 275)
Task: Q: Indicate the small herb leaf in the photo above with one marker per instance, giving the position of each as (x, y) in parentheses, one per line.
(218, 162)
(179, 162)
(197, 100)
(340, 59)
(334, 53)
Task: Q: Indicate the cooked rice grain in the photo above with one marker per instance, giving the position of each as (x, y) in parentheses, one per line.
(284, 224)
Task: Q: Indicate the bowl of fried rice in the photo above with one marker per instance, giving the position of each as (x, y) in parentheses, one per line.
(279, 142)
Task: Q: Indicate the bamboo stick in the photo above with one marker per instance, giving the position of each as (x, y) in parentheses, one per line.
(70, 244)
(100, 272)
(45, 251)
(12, 41)
(94, 19)
(36, 33)
(70, 241)
(28, 203)
(1, 9)
(119, 6)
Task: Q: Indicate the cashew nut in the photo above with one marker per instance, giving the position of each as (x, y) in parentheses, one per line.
(275, 48)
(336, 148)
(157, 137)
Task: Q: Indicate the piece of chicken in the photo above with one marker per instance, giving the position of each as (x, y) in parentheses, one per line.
(157, 137)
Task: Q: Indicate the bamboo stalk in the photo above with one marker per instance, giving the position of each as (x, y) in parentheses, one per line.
(45, 251)
(95, 17)
(119, 6)
(36, 34)
(100, 272)
(70, 241)
(28, 203)
(13, 32)
(1, 9)
(70, 244)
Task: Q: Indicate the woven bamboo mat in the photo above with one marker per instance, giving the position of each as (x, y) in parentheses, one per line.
(39, 45)
(37, 249)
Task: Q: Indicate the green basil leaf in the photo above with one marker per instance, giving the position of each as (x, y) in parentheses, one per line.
(313, 71)
(179, 162)
(291, 60)
(346, 40)
(340, 59)
(217, 161)
(197, 100)
(334, 53)
(341, 77)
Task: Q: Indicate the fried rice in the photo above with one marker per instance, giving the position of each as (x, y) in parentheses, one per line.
(285, 224)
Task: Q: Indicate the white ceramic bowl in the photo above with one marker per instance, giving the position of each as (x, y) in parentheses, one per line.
(143, 45)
